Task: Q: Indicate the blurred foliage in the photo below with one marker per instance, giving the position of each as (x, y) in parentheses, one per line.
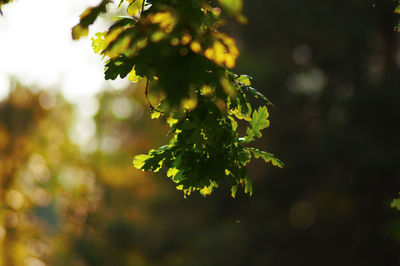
(335, 86)
(53, 194)
(45, 184)
(177, 48)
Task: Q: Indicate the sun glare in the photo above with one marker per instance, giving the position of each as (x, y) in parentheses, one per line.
(36, 48)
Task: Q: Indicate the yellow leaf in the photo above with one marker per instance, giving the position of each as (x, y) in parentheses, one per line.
(78, 31)
(134, 7)
(206, 190)
(139, 161)
(155, 115)
(172, 172)
(171, 121)
(132, 76)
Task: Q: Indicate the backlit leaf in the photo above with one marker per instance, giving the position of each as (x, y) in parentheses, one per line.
(87, 18)
(259, 121)
(267, 157)
(233, 191)
(134, 7)
(139, 161)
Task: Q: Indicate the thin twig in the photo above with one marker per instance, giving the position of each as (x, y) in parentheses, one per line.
(147, 98)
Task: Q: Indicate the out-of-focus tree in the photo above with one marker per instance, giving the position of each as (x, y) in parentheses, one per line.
(44, 182)
(56, 198)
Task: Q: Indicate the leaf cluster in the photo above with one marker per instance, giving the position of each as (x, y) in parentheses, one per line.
(176, 46)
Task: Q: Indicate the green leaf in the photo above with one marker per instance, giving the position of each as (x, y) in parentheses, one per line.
(244, 79)
(87, 18)
(248, 186)
(244, 157)
(397, 10)
(259, 121)
(257, 94)
(120, 66)
(395, 203)
(267, 157)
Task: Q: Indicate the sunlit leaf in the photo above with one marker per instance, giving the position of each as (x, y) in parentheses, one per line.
(172, 172)
(155, 115)
(98, 42)
(248, 187)
(267, 157)
(139, 160)
(132, 76)
(397, 9)
(135, 6)
(206, 191)
(233, 191)
(259, 121)
(244, 79)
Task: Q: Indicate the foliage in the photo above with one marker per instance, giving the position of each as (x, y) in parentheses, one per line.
(45, 184)
(340, 143)
(396, 204)
(185, 60)
(51, 190)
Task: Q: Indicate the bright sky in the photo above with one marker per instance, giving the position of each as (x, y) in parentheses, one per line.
(36, 47)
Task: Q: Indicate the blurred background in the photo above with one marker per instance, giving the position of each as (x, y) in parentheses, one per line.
(70, 196)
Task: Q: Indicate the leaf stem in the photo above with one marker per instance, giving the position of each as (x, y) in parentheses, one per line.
(147, 98)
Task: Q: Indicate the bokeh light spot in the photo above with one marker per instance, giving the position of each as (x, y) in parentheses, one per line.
(122, 108)
(15, 199)
(302, 215)
(302, 54)
(3, 232)
(34, 262)
(47, 100)
(11, 219)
